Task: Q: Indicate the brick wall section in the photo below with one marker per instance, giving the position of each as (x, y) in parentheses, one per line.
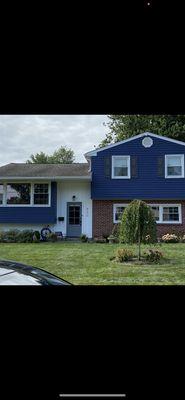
(103, 217)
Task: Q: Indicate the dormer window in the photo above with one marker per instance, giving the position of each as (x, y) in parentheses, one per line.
(121, 167)
(174, 166)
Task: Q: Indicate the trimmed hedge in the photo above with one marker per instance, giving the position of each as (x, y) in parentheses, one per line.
(16, 236)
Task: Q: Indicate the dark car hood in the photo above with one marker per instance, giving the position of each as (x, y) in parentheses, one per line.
(13, 273)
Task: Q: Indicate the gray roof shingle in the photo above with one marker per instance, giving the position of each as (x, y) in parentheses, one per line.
(44, 170)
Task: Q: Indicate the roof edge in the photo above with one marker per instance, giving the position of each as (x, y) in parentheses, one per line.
(94, 152)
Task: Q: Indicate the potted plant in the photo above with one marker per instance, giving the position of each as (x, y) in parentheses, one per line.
(83, 238)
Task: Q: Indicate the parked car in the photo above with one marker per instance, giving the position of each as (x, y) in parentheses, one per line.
(13, 273)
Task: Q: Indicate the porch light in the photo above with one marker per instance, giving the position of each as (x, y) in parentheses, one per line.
(74, 197)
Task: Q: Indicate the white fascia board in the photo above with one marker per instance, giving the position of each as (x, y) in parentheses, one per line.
(51, 178)
(94, 152)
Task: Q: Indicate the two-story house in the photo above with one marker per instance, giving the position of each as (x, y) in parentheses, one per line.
(90, 197)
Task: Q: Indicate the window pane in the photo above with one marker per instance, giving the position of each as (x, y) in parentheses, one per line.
(175, 171)
(1, 193)
(174, 161)
(74, 215)
(174, 165)
(156, 212)
(120, 162)
(18, 193)
(120, 171)
(41, 188)
(41, 195)
(40, 198)
(121, 166)
(119, 212)
(170, 214)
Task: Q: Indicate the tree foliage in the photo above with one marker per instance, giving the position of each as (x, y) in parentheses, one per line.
(125, 126)
(60, 156)
(137, 222)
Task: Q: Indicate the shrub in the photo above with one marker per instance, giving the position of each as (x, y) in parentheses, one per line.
(52, 237)
(153, 255)
(116, 230)
(124, 255)
(137, 222)
(170, 238)
(16, 236)
(182, 239)
(36, 236)
(25, 236)
(105, 236)
(83, 238)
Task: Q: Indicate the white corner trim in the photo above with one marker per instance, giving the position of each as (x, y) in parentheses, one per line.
(120, 177)
(182, 164)
(94, 152)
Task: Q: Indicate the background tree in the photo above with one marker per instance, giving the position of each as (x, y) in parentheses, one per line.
(60, 156)
(125, 126)
(137, 222)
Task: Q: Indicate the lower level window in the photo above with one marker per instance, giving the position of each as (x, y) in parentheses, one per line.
(155, 210)
(170, 213)
(118, 212)
(163, 213)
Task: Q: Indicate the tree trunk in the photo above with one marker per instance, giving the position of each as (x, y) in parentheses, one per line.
(139, 245)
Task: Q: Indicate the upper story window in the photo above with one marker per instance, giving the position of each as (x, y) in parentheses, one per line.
(41, 193)
(174, 166)
(18, 193)
(1, 193)
(120, 167)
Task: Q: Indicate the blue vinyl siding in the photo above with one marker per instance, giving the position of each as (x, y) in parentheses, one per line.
(147, 185)
(31, 215)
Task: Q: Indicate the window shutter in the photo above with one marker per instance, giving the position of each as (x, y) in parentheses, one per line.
(160, 166)
(107, 167)
(134, 167)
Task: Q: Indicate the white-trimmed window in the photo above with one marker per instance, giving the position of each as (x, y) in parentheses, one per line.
(121, 167)
(118, 210)
(41, 194)
(167, 213)
(25, 194)
(163, 213)
(174, 166)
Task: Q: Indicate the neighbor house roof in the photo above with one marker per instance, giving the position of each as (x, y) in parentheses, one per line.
(53, 171)
(94, 152)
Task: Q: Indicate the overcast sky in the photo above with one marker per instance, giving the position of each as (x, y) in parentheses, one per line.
(23, 135)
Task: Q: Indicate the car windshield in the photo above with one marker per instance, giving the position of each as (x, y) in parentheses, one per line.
(16, 278)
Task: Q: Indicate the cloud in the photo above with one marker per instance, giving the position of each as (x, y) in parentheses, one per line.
(23, 135)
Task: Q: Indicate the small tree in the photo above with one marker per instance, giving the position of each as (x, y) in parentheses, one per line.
(137, 222)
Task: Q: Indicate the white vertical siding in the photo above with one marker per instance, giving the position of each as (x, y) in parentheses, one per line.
(82, 191)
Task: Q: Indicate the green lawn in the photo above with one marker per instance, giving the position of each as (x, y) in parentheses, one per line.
(89, 263)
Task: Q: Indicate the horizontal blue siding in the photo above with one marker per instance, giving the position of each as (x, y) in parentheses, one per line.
(31, 215)
(148, 185)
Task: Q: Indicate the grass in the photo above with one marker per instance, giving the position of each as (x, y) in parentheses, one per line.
(90, 264)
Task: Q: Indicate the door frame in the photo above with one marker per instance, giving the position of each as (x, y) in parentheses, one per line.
(71, 203)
